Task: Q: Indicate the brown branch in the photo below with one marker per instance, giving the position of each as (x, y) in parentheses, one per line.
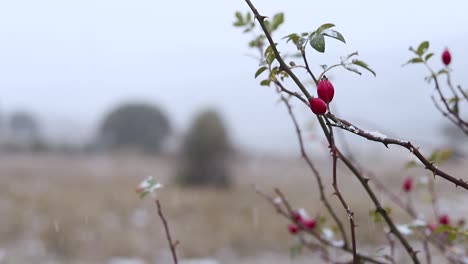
(172, 245)
(343, 124)
(350, 213)
(362, 180)
(379, 209)
(288, 214)
(316, 173)
(307, 66)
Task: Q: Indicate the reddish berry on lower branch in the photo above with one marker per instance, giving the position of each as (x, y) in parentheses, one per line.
(446, 57)
(318, 106)
(408, 184)
(293, 228)
(311, 223)
(325, 90)
(444, 219)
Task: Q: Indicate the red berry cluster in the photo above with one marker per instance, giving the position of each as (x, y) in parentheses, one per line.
(325, 91)
(307, 223)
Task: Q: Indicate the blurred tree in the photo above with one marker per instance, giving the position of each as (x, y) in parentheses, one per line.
(23, 127)
(205, 152)
(135, 125)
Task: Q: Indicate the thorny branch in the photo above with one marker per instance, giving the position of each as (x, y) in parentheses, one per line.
(172, 245)
(287, 212)
(316, 173)
(343, 124)
(361, 179)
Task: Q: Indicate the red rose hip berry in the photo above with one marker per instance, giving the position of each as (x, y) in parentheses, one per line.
(293, 229)
(446, 57)
(325, 90)
(311, 223)
(408, 184)
(444, 219)
(318, 106)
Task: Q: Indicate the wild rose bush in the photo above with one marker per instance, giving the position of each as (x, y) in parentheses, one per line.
(447, 236)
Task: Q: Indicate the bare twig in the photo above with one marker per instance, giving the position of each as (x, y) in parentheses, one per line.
(172, 245)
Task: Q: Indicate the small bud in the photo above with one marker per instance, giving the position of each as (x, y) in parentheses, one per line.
(318, 106)
(444, 219)
(408, 184)
(325, 90)
(293, 229)
(446, 57)
(311, 223)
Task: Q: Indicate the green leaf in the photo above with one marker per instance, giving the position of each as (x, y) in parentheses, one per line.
(411, 164)
(441, 156)
(455, 107)
(265, 83)
(260, 70)
(334, 34)
(295, 250)
(324, 27)
(292, 37)
(364, 65)
(376, 216)
(428, 56)
(443, 71)
(413, 61)
(269, 55)
(317, 41)
(422, 48)
(352, 54)
(248, 17)
(277, 20)
(240, 20)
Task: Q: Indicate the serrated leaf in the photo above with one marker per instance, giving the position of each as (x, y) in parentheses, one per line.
(324, 27)
(277, 20)
(292, 37)
(265, 83)
(295, 250)
(413, 61)
(455, 108)
(364, 65)
(441, 156)
(260, 70)
(248, 17)
(443, 71)
(428, 56)
(317, 41)
(351, 68)
(334, 34)
(411, 164)
(422, 48)
(352, 54)
(240, 20)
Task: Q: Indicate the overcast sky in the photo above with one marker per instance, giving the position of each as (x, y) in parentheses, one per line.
(71, 61)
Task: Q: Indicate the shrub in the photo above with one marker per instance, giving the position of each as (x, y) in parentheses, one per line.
(135, 125)
(204, 152)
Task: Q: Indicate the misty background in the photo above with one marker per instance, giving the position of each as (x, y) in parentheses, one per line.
(70, 62)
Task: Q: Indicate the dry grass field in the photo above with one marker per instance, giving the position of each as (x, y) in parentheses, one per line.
(83, 209)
